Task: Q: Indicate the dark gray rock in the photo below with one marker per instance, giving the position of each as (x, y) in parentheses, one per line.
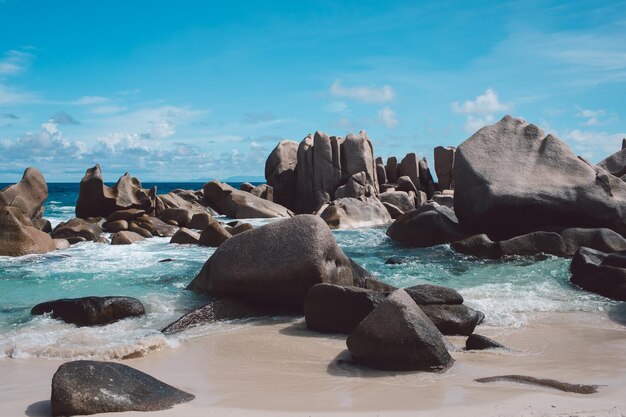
(615, 164)
(478, 342)
(398, 336)
(406, 184)
(392, 170)
(454, 319)
(356, 186)
(357, 155)
(92, 387)
(599, 272)
(434, 294)
(91, 311)
(276, 263)
(409, 167)
(444, 161)
(511, 179)
(400, 199)
(381, 174)
(426, 226)
(395, 260)
(332, 308)
(216, 310)
(393, 211)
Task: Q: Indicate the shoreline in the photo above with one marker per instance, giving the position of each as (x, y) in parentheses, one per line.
(278, 367)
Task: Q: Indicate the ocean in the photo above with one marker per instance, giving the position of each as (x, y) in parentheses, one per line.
(508, 291)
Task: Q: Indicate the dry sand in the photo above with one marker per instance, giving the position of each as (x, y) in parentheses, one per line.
(278, 368)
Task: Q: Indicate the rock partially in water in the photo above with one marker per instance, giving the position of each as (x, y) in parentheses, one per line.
(18, 237)
(453, 319)
(91, 311)
(600, 272)
(479, 342)
(217, 310)
(93, 387)
(398, 336)
(185, 236)
(89, 229)
(276, 264)
(125, 237)
(424, 294)
(429, 225)
(214, 235)
(332, 308)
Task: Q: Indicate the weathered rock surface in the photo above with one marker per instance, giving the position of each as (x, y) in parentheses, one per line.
(425, 294)
(91, 387)
(214, 235)
(332, 308)
(181, 216)
(185, 236)
(200, 221)
(400, 199)
(429, 225)
(511, 179)
(398, 336)
(600, 272)
(356, 186)
(18, 237)
(125, 237)
(116, 226)
(444, 161)
(349, 213)
(98, 200)
(91, 311)
(615, 164)
(276, 264)
(239, 204)
(89, 229)
(28, 195)
(280, 173)
(409, 167)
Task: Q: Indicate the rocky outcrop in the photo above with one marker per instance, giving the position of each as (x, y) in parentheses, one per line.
(91, 387)
(426, 226)
(18, 237)
(444, 162)
(511, 179)
(356, 186)
(600, 272)
(91, 311)
(398, 336)
(239, 204)
(95, 199)
(349, 213)
(332, 308)
(276, 264)
(89, 229)
(28, 195)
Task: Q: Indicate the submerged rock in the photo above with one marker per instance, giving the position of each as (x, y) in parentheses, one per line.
(398, 336)
(91, 311)
(93, 387)
(276, 264)
(479, 342)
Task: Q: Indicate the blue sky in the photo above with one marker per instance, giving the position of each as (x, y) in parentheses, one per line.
(182, 91)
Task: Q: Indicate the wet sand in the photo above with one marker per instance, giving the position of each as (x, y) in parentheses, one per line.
(278, 368)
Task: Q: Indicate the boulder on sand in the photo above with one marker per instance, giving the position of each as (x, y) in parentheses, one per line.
(332, 308)
(349, 213)
(424, 294)
(98, 200)
(92, 387)
(276, 264)
(398, 336)
(239, 204)
(91, 311)
(479, 342)
(511, 179)
(18, 237)
(429, 225)
(28, 195)
(600, 272)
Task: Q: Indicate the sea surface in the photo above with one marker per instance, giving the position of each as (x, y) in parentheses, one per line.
(507, 291)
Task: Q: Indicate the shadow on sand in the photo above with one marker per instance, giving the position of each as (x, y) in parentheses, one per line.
(39, 409)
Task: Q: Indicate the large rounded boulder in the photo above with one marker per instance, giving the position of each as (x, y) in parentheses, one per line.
(91, 311)
(511, 179)
(280, 173)
(276, 264)
(398, 336)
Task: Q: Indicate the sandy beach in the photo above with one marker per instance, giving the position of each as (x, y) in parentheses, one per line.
(277, 367)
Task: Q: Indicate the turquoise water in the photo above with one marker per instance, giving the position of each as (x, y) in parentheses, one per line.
(508, 291)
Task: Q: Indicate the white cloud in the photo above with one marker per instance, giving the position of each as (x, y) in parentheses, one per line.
(594, 145)
(387, 117)
(162, 129)
(108, 109)
(89, 100)
(362, 93)
(595, 117)
(481, 111)
(15, 62)
(337, 107)
(487, 103)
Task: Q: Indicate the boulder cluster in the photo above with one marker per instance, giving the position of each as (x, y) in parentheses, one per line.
(520, 192)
